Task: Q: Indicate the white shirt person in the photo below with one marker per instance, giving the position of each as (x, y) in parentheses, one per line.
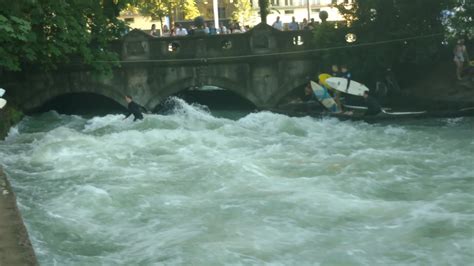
(278, 24)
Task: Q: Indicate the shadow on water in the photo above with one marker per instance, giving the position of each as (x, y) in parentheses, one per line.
(219, 102)
(84, 104)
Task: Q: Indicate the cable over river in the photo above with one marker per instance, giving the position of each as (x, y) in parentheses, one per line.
(195, 188)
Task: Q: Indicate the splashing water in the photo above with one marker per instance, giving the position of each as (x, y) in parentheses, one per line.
(192, 188)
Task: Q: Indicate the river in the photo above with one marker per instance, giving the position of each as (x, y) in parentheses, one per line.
(195, 188)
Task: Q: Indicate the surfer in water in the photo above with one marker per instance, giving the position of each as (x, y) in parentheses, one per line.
(373, 106)
(133, 108)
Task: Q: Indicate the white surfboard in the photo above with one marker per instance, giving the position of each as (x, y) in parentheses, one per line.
(358, 107)
(2, 91)
(403, 113)
(324, 97)
(3, 102)
(340, 84)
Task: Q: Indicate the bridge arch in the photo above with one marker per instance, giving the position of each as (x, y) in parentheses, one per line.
(189, 82)
(82, 103)
(288, 88)
(38, 98)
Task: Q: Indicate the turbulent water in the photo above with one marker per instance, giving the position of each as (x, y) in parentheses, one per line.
(192, 188)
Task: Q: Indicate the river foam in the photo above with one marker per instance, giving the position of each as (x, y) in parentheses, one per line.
(193, 188)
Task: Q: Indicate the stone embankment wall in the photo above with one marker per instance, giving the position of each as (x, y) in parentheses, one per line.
(15, 246)
(9, 116)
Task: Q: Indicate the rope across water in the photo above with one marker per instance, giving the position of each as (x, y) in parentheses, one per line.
(308, 51)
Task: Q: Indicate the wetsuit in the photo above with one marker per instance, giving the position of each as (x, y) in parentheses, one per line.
(373, 107)
(347, 75)
(135, 109)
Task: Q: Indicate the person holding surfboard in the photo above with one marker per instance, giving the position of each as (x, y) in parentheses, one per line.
(133, 108)
(373, 106)
(334, 93)
(347, 75)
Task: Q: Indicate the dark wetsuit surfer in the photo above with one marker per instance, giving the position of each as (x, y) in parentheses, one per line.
(373, 107)
(133, 108)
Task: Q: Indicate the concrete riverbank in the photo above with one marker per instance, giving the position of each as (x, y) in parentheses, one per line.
(15, 245)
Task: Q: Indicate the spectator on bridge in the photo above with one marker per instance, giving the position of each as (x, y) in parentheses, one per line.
(192, 30)
(153, 31)
(199, 27)
(179, 30)
(235, 28)
(207, 31)
(278, 24)
(172, 31)
(293, 24)
(312, 24)
(165, 31)
(223, 29)
(212, 30)
(304, 25)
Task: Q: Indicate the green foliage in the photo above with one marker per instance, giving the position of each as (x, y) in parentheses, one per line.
(242, 11)
(190, 9)
(162, 8)
(51, 32)
(14, 30)
(378, 24)
(154, 8)
(461, 23)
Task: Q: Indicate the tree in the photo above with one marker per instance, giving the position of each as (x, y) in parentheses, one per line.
(458, 20)
(403, 34)
(163, 8)
(242, 11)
(190, 9)
(264, 10)
(14, 36)
(154, 8)
(51, 32)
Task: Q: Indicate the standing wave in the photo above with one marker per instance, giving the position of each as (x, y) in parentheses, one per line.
(193, 188)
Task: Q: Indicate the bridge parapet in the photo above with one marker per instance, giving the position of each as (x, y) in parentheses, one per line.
(263, 39)
(263, 65)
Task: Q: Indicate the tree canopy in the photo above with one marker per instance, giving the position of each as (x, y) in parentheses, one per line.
(162, 8)
(51, 32)
(459, 21)
(403, 34)
(242, 11)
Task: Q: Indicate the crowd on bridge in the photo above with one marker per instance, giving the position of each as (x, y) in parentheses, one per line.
(234, 27)
(179, 30)
(294, 25)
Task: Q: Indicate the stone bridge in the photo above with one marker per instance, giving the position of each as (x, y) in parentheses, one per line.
(263, 66)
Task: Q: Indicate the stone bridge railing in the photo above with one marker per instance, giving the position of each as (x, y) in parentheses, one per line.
(262, 40)
(263, 65)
